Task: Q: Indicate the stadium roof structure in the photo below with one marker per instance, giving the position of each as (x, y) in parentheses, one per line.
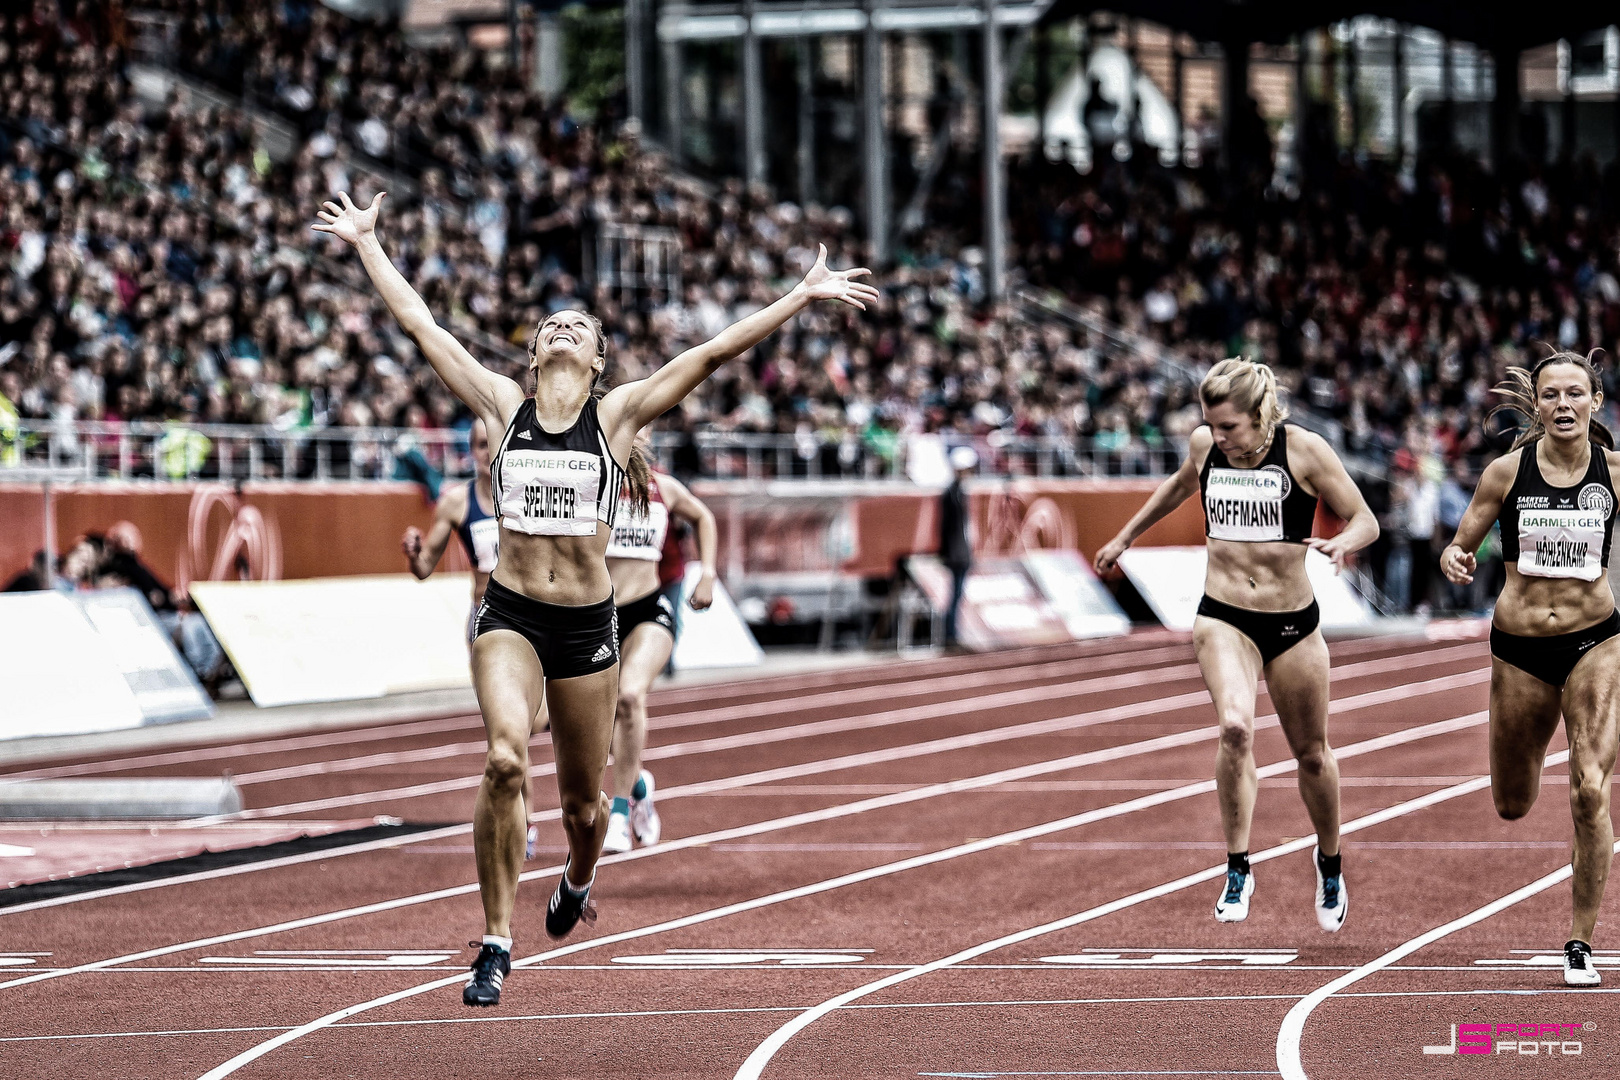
(1495, 25)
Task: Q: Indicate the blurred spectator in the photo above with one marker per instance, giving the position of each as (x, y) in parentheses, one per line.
(955, 540)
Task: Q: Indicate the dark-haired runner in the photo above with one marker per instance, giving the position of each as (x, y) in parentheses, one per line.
(1554, 645)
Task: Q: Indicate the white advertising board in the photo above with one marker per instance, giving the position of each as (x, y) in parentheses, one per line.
(1171, 580)
(336, 639)
(57, 673)
(715, 637)
(1070, 586)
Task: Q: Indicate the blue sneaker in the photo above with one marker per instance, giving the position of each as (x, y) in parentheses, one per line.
(1332, 900)
(1233, 906)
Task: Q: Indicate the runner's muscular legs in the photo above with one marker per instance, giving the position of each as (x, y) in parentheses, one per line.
(1298, 684)
(581, 730)
(507, 676)
(1231, 667)
(1524, 715)
(1591, 706)
(645, 653)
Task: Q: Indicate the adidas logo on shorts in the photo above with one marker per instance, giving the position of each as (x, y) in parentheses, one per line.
(601, 654)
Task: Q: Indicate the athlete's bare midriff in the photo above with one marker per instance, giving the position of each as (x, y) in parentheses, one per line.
(1542, 607)
(567, 570)
(633, 579)
(1266, 576)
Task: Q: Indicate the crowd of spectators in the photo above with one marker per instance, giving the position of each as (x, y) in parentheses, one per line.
(156, 263)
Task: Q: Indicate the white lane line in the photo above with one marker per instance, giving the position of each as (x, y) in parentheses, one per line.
(944, 855)
(866, 721)
(755, 1065)
(1293, 1025)
(836, 725)
(632, 1014)
(850, 761)
(470, 722)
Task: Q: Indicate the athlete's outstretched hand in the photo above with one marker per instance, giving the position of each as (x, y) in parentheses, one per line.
(1458, 565)
(1108, 555)
(703, 593)
(348, 222)
(1334, 548)
(824, 284)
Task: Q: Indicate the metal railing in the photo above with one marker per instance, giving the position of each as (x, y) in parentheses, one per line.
(637, 262)
(91, 450)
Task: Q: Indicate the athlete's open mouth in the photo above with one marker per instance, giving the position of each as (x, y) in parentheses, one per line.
(562, 335)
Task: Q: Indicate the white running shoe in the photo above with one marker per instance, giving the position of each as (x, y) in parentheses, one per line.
(1332, 898)
(1578, 969)
(531, 842)
(1233, 906)
(618, 835)
(644, 815)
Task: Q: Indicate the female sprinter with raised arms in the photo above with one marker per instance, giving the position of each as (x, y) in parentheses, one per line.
(1260, 481)
(646, 639)
(1554, 646)
(545, 629)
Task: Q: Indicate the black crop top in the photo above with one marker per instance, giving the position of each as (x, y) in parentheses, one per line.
(1256, 505)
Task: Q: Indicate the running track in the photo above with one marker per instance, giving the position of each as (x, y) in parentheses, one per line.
(992, 866)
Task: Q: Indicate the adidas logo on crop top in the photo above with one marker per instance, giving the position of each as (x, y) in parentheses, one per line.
(555, 484)
(641, 536)
(1559, 532)
(1259, 504)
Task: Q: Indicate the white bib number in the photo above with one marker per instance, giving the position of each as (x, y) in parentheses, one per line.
(550, 492)
(639, 536)
(486, 540)
(1245, 504)
(1561, 544)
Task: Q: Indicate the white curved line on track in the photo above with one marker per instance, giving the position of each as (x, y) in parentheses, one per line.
(944, 855)
(756, 1063)
(787, 772)
(866, 721)
(1293, 1025)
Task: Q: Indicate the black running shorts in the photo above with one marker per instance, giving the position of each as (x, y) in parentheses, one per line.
(1552, 658)
(653, 608)
(570, 641)
(1273, 632)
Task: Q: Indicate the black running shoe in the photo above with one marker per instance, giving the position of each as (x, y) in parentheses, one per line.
(568, 907)
(1578, 969)
(488, 972)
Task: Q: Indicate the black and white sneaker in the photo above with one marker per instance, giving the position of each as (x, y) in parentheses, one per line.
(1578, 969)
(1233, 906)
(489, 971)
(1332, 899)
(568, 907)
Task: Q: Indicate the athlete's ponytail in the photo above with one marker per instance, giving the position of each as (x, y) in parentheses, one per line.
(1518, 393)
(1250, 387)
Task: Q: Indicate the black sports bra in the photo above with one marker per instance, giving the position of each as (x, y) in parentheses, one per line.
(1257, 505)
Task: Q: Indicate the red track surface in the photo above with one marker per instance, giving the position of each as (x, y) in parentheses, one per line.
(827, 833)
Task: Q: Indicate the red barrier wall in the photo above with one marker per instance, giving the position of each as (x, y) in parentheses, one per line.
(276, 530)
(792, 533)
(262, 531)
